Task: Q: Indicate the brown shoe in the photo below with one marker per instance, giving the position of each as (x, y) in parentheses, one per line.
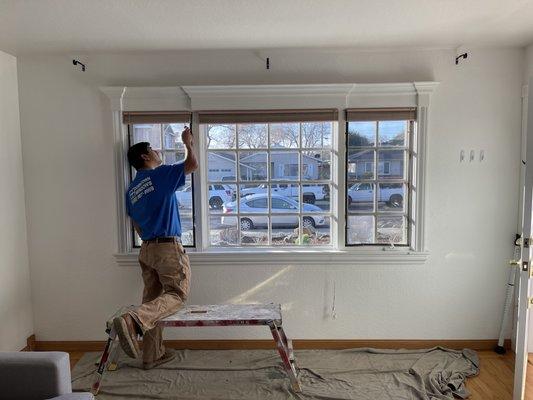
(127, 335)
(168, 356)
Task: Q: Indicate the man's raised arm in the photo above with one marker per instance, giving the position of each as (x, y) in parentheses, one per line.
(190, 164)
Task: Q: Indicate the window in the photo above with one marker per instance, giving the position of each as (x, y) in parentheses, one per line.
(165, 137)
(380, 150)
(261, 203)
(274, 140)
(282, 204)
(276, 169)
(384, 168)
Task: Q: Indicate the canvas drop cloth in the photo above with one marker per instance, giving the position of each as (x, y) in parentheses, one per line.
(362, 374)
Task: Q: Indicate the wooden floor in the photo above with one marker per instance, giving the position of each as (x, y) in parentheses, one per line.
(529, 380)
(494, 382)
(75, 357)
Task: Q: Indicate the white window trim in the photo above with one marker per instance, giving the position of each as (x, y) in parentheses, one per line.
(292, 257)
(341, 96)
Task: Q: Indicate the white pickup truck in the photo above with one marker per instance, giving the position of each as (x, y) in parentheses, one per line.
(311, 193)
(363, 193)
(218, 195)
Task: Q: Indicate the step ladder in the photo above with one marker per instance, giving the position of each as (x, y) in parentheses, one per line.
(211, 315)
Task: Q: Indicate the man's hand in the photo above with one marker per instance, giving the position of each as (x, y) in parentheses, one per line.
(186, 137)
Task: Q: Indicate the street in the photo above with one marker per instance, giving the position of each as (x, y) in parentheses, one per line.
(390, 228)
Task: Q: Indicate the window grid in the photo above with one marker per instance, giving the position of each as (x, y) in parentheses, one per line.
(299, 183)
(408, 173)
(163, 150)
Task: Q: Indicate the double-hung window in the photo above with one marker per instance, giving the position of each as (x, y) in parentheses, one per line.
(163, 131)
(269, 177)
(380, 162)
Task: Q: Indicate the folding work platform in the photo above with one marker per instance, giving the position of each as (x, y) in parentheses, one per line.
(213, 315)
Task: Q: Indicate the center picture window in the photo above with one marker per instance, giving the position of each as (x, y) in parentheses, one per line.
(269, 177)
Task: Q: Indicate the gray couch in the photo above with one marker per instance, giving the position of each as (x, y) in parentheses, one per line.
(37, 376)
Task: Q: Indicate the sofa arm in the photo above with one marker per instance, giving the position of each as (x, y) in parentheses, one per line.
(74, 396)
(34, 375)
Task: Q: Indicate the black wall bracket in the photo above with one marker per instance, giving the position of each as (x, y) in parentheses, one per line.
(76, 62)
(461, 56)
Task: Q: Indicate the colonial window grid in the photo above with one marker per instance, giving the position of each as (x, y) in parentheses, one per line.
(381, 172)
(300, 183)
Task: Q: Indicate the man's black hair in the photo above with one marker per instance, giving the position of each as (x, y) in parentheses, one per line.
(135, 152)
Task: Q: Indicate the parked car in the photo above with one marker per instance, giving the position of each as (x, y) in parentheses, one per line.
(258, 203)
(311, 193)
(363, 192)
(218, 195)
(184, 196)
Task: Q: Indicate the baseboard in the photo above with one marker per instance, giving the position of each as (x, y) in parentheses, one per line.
(299, 344)
(30, 344)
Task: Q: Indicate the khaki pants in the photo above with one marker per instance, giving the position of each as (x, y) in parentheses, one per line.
(166, 274)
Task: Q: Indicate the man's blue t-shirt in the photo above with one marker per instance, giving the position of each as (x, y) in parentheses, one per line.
(151, 202)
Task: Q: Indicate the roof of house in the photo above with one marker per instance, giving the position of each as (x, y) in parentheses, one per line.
(368, 155)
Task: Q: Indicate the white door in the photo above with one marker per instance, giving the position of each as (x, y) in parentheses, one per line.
(525, 267)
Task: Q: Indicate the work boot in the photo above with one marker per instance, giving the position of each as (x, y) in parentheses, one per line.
(168, 356)
(127, 335)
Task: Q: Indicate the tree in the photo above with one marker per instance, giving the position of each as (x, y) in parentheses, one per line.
(222, 136)
(397, 140)
(356, 139)
(316, 134)
(282, 135)
(253, 136)
(285, 135)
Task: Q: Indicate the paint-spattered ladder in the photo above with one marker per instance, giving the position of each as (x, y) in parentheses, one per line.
(213, 315)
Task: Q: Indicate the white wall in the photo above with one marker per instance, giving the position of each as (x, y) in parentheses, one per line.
(15, 300)
(528, 74)
(528, 66)
(472, 207)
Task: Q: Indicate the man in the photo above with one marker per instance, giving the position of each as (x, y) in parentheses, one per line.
(152, 205)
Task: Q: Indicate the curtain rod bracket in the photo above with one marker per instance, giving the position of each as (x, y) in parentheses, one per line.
(461, 56)
(76, 62)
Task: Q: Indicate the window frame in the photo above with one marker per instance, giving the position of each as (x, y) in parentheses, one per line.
(340, 96)
(163, 150)
(376, 182)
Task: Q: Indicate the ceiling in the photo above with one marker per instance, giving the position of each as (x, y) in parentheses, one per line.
(65, 26)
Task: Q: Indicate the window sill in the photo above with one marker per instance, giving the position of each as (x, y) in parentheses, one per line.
(314, 257)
